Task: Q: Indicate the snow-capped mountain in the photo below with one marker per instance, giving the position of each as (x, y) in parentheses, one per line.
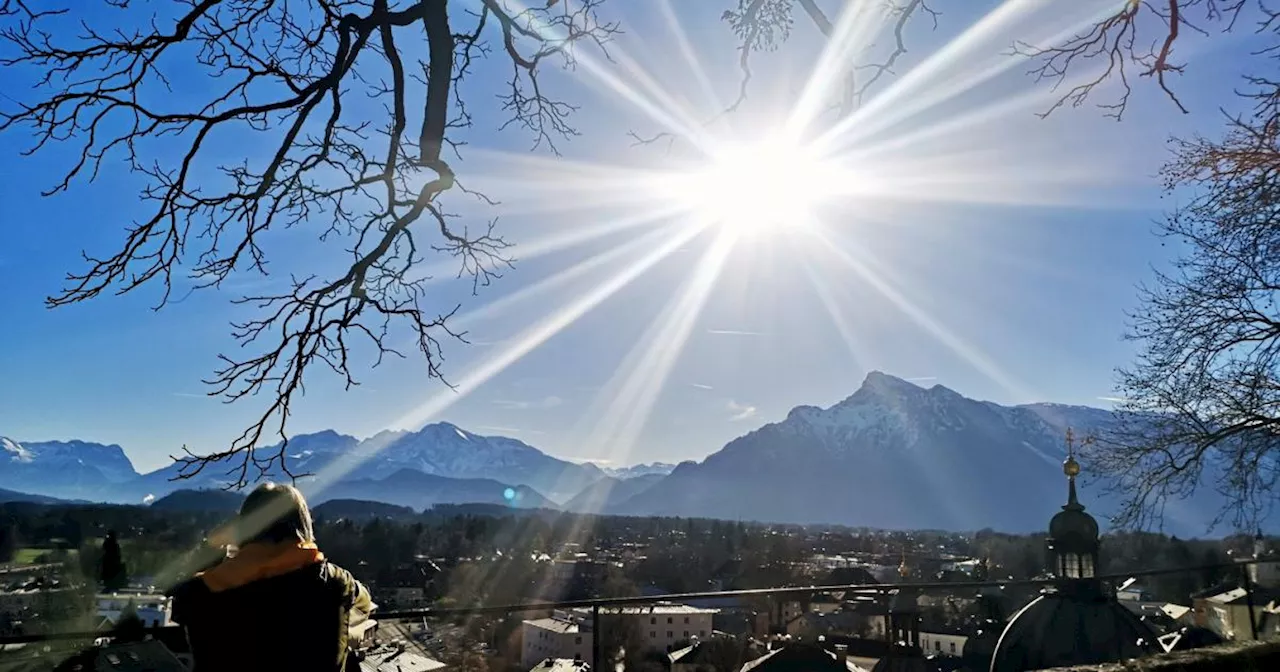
(67, 469)
(897, 455)
(442, 451)
(659, 468)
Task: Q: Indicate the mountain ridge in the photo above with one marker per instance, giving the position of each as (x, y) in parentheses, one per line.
(897, 455)
(892, 454)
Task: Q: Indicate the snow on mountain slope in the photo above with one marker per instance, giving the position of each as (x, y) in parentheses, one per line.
(634, 471)
(444, 449)
(66, 469)
(894, 455)
(440, 449)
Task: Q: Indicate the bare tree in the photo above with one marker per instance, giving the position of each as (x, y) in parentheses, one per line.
(1202, 400)
(1138, 39)
(353, 108)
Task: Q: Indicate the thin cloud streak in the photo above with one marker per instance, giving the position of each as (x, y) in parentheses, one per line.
(507, 430)
(734, 332)
(700, 386)
(527, 404)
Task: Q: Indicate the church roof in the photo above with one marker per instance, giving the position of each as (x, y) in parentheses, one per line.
(800, 657)
(1076, 626)
(981, 646)
(1072, 530)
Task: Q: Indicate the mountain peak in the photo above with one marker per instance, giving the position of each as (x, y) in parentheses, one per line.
(879, 380)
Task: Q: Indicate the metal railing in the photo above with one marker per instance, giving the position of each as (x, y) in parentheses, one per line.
(595, 604)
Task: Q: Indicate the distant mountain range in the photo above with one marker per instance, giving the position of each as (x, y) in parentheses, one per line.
(892, 455)
(897, 455)
(450, 463)
(653, 468)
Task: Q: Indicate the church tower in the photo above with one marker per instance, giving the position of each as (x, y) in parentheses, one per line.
(1073, 533)
(1077, 621)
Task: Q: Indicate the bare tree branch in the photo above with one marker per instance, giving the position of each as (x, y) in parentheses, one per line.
(280, 77)
(1203, 397)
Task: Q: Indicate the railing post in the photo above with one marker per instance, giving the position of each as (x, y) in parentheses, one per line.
(1248, 600)
(595, 638)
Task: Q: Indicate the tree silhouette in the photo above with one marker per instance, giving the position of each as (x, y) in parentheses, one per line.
(1202, 400)
(113, 574)
(129, 627)
(8, 542)
(1136, 39)
(353, 110)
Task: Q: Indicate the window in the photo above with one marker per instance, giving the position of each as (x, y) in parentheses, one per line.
(653, 621)
(686, 620)
(577, 640)
(670, 635)
(668, 620)
(653, 635)
(686, 634)
(937, 646)
(953, 648)
(702, 633)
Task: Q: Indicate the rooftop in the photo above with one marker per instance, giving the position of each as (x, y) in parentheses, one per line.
(561, 665)
(553, 624)
(397, 659)
(665, 608)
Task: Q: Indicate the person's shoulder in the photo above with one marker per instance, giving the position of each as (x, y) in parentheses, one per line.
(187, 596)
(192, 587)
(335, 574)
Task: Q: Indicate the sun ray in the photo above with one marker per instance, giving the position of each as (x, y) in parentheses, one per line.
(687, 126)
(972, 355)
(527, 341)
(560, 241)
(945, 73)
(688, 55)
(564, 277)
(852, 29)
(837, 315)
(644, 371)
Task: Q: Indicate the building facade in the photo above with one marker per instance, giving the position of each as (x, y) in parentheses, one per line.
(153, 609)
(567, 634)
(563, 635)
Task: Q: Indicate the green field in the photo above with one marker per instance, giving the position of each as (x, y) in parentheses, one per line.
(27, 556)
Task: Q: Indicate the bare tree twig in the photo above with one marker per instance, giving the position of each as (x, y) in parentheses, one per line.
(281, 76)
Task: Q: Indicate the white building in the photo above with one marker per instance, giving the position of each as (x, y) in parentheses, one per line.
(567, 634)
(153, 609)
(663, 625)
(562, 636)
(942, 642)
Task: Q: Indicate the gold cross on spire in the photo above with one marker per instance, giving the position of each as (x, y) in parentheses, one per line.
(1070, 467)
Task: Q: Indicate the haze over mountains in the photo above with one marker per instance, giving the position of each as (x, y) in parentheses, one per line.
(892, 455)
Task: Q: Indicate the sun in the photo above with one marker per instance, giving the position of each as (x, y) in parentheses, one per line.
(755, 187)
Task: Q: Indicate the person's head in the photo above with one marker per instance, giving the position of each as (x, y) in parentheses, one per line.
(274, 513)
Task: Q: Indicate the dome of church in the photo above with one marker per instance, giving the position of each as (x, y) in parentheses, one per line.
(981, 647)
(1073, 523)
(1074, 625)
(1079, 621)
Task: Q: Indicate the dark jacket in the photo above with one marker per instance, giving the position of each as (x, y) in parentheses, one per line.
(274, 620)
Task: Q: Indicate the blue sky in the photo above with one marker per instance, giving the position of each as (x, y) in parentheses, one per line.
(1012, 286)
